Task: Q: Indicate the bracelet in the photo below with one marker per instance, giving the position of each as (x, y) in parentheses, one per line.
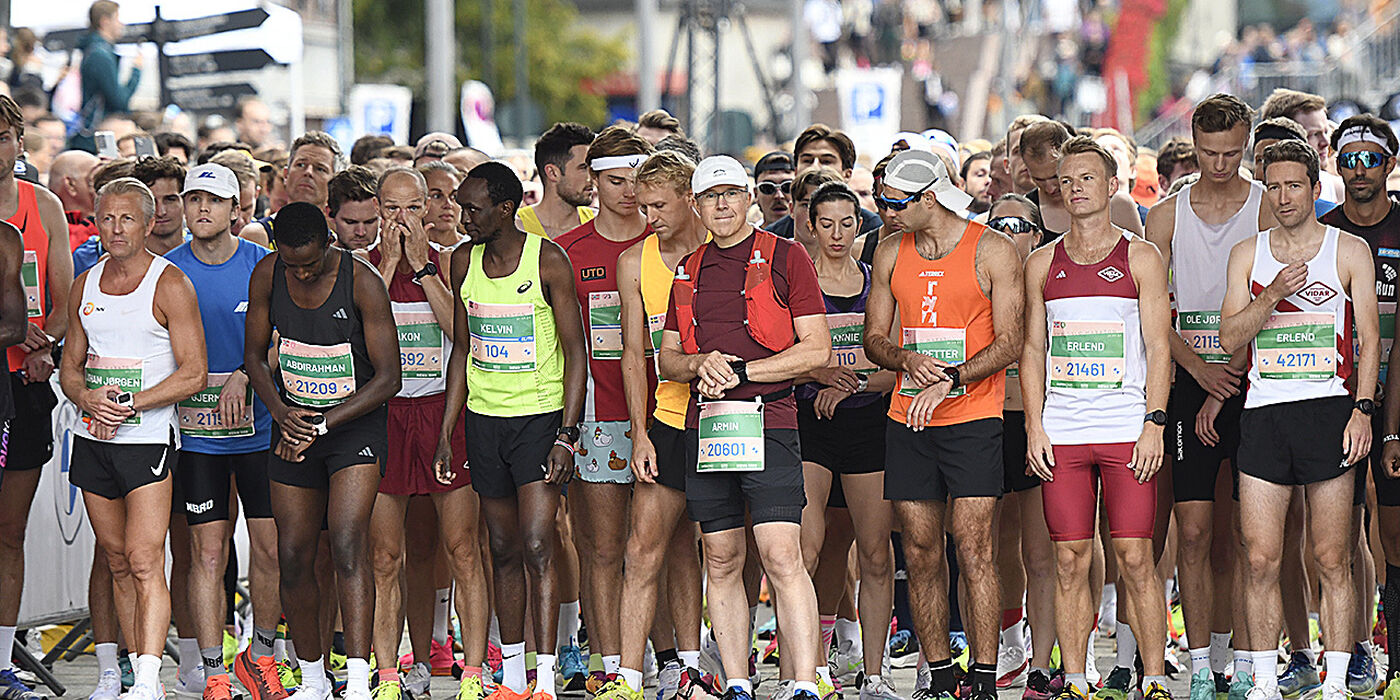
(565, 445)
(1391, 438)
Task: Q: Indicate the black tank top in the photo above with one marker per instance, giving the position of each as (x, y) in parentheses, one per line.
(335, 322)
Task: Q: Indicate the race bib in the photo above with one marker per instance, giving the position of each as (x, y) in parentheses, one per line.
(1086, 354)
(1387, 309)
(199, 414)
(122, 372)
(29, 276)
(847, 342)
(946, 344)
(1297, 345)
(655, 324)
(605, 325)
(502, 336)
(731, 436)
(420, 344)
(316, 375)
(1201, 331)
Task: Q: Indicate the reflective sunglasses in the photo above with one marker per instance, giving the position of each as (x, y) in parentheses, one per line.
(1367, 159)
(768, 189)
(1013, 225)
(900, 204)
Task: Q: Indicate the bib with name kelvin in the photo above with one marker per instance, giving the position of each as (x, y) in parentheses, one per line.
(502, 336)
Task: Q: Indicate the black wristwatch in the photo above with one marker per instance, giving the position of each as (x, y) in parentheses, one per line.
(428, 270)
(954, 375)
(741, 370)
(1159, 417)
(1366, 406)
(569, 433)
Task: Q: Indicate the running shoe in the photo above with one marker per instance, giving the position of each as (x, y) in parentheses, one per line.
(12, 688)
(337, 685)
(471, 689)
(845, 661)
(903, 649)
(1392, 689)
(804, 695)
(440, 656)
(1117, 686)
(597, 680)
(668, 680)
(1069, 692)
(928, 694)
(1091, 669)
(388, 690)
(573, 667)
(753, 668)
(261, 676)
(782, 692)
(336, 661)
(128, 676)
(957, 645)
(1222, 687)
(732, 693)
(923, 679)
(1240, 687)
(617, 689)
(826, 689)
(145, 692)
(187, 685)
(230, 649)
(504, 693)
(1262, 693)
(695, 684)
(984, 695)
(109, 686)
(872, 689)
(1299, 678)
(768, 629)
(1012, 662)
(1203, 685)
(770, 652)
(1037, 686)
(1172, 665)
(1155, 691)
(1332, 692)
(709, 656)
(1361, 672)
(417, 683)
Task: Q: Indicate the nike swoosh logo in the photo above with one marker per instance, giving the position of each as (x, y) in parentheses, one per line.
(160, 466)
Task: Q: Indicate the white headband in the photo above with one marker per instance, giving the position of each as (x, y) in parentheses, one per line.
(610, 162)
(1363, 134)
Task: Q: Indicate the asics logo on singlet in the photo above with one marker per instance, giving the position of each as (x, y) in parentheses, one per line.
(524, 287)
(1111, 274)
(340, 314)
(1317, 293)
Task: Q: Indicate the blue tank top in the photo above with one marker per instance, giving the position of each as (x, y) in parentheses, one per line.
(841, 314)
(223, 306)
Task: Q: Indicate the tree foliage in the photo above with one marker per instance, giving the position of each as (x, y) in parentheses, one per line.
(564, 57)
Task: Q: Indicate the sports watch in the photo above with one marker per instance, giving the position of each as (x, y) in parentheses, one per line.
(428, 271)
(569, 433)
(1159, 417)
(741, 370)
(318, 423)
(1366, 406)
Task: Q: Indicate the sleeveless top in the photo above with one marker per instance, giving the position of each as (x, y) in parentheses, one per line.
(1384, 237)
(515, 366)
(672, 398)
(128, 348)
(34, 271)
(530, 221)
(322, 354)
(1199, 256)
(845, 317)
(423, 346)
(1304, 349)
(1096, 367)
(943, 313)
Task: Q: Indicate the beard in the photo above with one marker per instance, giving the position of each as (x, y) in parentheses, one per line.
(579, 198)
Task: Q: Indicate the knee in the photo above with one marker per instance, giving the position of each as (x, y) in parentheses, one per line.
(118, 564)
(721, 565)
(1263, 563)
(976, 558)
(1194, 538)
(1072, 562)
(387, 559)
(1135, 560)
(462, 550)
(923, 550)
(146, 563)
(1333, 565)
(1039, 563)
(875, 563)
(538, 550)
(209, 555)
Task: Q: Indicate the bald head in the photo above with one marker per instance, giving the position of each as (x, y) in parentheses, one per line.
(68, 178)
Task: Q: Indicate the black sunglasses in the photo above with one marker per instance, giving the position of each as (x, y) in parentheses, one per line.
(1013, 225)
(768, 189)
(900, 204)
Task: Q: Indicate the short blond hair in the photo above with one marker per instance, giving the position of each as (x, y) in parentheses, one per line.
(667, 168)
(129, 185)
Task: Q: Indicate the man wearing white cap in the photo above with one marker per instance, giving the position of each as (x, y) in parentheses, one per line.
(758, 321)
(225, 434)
(957, 285)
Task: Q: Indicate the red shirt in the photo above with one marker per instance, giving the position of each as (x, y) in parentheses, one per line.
(594, 259)
(720, 311)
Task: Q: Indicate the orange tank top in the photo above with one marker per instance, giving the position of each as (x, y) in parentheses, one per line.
(34, 271)
(943, 313)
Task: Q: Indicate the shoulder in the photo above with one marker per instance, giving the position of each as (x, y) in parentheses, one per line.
(1163, 213)
(633, 255)
(1246, 247)
(173, 280)
(1040, 258)
(1142, 251)
(1351, 244)
(994, 242)
(552, 253)
(574, 235)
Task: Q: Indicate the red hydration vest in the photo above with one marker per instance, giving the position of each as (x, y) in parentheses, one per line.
(767, 318)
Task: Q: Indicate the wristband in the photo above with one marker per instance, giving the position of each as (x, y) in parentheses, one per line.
(565, 445)
(1391, 438)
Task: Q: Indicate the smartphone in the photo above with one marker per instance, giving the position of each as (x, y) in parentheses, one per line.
(106, 144)
(145, 146)
(124, 399)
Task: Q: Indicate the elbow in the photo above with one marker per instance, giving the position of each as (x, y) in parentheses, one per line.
(14, 333)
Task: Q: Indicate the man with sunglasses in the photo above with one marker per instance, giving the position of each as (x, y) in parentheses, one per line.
(773, 173)
(1366, 149)
(957, 286)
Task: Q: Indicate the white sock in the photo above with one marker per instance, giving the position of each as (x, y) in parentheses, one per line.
(611, 663)
(493, 633)
(689, 659)
(313, 673)
(7, 645)
(1167, 586)
(1244, 664)
(873, 679)
(743, 684)
(1336, 664)
(544, 674)
(442, 615)
(1266, 670)
(1200, 659)
(1079, 681)
(1219, 651)
(357, 676)
(824, 673)
(513, 666)
(147, 670)
(848, 631)
(1127, 647)
(1159, 680)
(190, 661)
(290, 649)
(1109, 597)
(106, 657)
(632, 677)
(1014, 636)
(567, 634)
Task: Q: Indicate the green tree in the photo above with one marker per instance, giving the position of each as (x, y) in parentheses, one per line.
(565, 58)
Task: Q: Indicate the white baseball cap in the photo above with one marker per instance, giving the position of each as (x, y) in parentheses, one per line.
(718, 170)
(918, 171)
(212, 178)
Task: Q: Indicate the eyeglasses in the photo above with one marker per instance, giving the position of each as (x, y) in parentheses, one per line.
(1367, 159)
(731, 196)
(1013, 225)
(768, 189)
(900, 204)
